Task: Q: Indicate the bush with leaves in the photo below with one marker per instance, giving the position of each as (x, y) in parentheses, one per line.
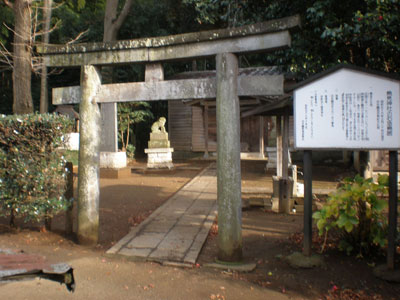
(355, 212)
(32, 166)
(130, 114)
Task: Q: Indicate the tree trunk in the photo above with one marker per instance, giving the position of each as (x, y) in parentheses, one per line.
(109, 34)
(113, 21)
(112, 24)
(110, 31)
(44, 97)
(22, 102)
(127, 132)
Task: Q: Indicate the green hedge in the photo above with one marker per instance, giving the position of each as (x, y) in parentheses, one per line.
(32, 166)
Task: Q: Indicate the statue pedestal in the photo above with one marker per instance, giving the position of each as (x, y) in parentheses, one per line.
(159, 153)
(158, 158)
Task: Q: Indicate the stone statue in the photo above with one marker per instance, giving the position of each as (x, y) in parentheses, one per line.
(159, 151)
(159, 126)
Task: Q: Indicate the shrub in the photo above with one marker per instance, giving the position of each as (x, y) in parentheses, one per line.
(355, 211)
(130, 151)
(32, 166)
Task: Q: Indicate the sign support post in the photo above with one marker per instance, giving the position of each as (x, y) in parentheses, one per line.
(307, 160)
(391, 251)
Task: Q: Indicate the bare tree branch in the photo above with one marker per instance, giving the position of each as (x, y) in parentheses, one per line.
(34, 23)
(12, 30)
(55, 71)
(43, 32)
(78, 37)
(5, 69)
(7, 56)
(9, 4)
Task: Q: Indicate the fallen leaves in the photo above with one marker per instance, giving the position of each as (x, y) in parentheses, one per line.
(213, 230)
(149, 286)
(335, 293)
(136, 220)
(263, 283)
(317, 240)
(217, 297)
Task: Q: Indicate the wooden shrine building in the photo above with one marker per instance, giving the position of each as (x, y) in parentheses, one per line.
(192, 123)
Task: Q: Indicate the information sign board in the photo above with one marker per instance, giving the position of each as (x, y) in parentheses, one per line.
(347, 109)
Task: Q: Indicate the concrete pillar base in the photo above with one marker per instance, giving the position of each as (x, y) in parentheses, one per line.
(282, 200)
(299, 260)
(238, 267)
(115, 173)
(113, 160)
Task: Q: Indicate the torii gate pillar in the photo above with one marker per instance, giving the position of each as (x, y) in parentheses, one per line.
(89, 159)
(228, 160)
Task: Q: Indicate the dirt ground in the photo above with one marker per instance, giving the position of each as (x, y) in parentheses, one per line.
(267, 239)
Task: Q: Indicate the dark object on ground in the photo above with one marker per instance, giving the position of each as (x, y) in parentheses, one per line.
(16, 266)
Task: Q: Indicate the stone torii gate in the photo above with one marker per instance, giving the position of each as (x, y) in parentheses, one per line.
(225, 45)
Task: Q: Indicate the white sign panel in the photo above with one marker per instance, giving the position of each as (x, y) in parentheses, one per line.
(347, 109)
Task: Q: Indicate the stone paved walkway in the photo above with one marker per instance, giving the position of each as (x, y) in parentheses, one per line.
(176, 231)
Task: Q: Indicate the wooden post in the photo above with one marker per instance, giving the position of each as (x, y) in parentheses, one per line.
(261, 137)
(228, 160)
(307, 160)
(391, 251)
(89, 158)
(206, 129)
(69, 194)
(285, 146)
(279, 146)
(284, 184)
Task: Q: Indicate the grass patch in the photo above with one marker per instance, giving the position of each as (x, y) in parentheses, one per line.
(72, 156)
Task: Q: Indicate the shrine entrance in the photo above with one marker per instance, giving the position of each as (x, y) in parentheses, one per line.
(227, 88)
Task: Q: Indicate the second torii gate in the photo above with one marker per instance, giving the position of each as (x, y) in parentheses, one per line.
(225, 44)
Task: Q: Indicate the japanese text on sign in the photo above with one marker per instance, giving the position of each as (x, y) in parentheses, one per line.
(349, 110)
